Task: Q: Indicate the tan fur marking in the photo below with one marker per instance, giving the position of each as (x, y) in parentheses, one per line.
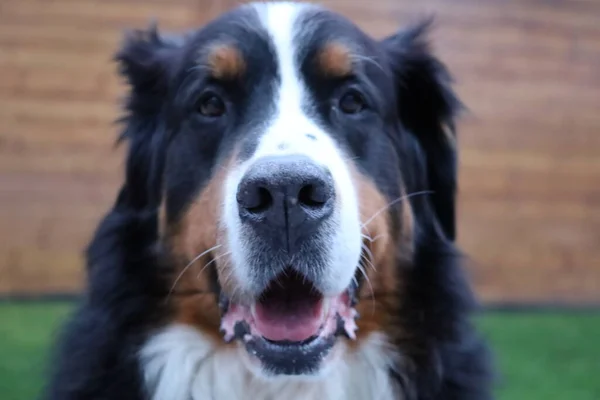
(378, 297)
(201, 311)
(198, 231)
(335, 59)
(226, 62)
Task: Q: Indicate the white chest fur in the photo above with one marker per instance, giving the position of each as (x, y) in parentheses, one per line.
(179, 363)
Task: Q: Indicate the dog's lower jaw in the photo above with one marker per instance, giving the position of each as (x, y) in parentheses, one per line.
(181, 363)
(296, 345)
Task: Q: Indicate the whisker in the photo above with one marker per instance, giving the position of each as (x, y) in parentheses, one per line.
(188, 266)
(393, 202)
(373, 239)
(212, 261)
(367, 59)
(376, 238)
(369, 263)
(370, 256)
(235, 290)
(368, 234)
(226, 278)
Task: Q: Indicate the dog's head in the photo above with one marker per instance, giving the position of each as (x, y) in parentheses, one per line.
(281, 146)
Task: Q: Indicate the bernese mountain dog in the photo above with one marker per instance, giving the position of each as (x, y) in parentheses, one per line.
(286, 225)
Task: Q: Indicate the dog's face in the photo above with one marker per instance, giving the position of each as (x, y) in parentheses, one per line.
(280, 144)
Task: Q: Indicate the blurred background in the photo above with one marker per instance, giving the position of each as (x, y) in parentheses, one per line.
(529, 209)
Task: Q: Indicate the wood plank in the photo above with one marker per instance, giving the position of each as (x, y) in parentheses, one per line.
(529, 71)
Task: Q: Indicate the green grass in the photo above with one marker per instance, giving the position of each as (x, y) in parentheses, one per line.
(26, 332)
(546, 356)
(540, 356)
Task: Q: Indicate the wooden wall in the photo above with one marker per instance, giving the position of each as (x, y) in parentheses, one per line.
(530, 147)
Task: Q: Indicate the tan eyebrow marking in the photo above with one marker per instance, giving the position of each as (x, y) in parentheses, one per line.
(335, 59)
(226, 61)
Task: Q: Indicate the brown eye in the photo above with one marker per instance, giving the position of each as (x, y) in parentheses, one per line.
(210, 105)
(352, 102)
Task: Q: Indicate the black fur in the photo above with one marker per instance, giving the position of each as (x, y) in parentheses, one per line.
(444, 359)
(96, 357)
(425, 103)
(449, 359)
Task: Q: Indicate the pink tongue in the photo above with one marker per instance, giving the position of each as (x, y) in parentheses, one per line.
(296, 321)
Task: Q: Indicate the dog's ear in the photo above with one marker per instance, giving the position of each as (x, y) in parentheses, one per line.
(148, 61)
(427, 107)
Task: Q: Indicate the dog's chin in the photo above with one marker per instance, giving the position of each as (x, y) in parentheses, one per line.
(291, 328)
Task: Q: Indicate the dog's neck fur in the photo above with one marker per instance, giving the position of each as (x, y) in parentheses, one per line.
(179, 363)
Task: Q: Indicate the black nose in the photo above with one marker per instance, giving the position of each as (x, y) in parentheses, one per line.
(286, 197)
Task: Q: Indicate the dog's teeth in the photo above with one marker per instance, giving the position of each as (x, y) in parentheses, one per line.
(350, 328)
(228, 337)
(351, 334)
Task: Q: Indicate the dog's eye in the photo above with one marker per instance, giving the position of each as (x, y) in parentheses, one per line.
(352, 102)
(210, 105)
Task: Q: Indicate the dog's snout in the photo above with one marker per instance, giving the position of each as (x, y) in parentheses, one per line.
(287, 195)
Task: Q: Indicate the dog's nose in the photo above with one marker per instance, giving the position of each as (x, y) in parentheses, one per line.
(290, 196)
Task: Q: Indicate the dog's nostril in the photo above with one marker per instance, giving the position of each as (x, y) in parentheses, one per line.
(263, 201)
(313, 196)
(285, 193)
(255, 199)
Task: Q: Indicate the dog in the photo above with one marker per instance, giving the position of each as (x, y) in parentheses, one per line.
(286, 226)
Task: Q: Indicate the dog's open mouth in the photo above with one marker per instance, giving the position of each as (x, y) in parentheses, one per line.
(291, 326)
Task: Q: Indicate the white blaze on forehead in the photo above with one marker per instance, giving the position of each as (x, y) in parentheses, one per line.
(288, 129)
(291, 130)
